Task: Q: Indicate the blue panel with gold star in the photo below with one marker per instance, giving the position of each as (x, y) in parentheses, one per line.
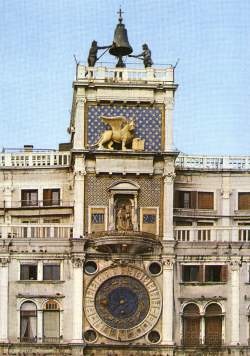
(148, 123)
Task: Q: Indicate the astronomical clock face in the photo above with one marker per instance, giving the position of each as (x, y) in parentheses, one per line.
(122, 303)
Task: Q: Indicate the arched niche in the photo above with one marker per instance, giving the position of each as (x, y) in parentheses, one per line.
(123, 206)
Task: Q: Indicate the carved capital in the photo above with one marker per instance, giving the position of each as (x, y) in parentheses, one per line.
(169, 177)
(77, 262)
(235, 264)
(168, 262)
(4, 261)
(226, 194)
(81, 101)
(169, 103)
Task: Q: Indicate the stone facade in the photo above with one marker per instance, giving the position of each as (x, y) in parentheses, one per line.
(124, 252)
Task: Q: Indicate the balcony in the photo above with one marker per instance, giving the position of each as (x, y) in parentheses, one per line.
(27, 204)
(128, 242)
(212, 233)
(101, 74)
(203, 162)
(36, 231)
(182, 212)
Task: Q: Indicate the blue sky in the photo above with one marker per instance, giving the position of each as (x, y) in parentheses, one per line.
(211, 38)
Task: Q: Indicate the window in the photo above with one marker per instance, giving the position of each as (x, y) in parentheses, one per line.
(29, 197)
(51, 197)
(205, 200)
(194, 200)
(213, 325)
(192, 273)
(244, 201)
(28, 272)
(28, 316)
(216, 273)
(191, 325)
(204, 274)
(51, 321)
(51, 272)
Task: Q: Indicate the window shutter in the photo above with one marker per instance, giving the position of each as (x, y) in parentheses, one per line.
(224, 273)
(205, 200)
(177, 199)
(51, 324)
(200, 274)
(193, 200)
(244, 201)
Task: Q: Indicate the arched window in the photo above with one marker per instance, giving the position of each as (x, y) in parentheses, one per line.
(51, 321)
(28, 317)
(191, 325)
(213, 325)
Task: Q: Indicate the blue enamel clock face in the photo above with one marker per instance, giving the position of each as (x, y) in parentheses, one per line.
(122, 302)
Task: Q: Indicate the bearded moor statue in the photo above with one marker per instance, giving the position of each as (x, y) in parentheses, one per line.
(121, 132)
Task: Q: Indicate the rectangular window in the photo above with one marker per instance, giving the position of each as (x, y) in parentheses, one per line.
(29, 197)
(216, 273)
(192, 273)
(244, 201)
(185, 199)
(51, 197)
(28, 272)
(51, 272)
(205, 200)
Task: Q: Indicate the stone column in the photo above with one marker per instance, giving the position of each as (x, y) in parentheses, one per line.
(168, 206)
(77, 300)
(235, 302)
(169, 109)
(39, 332)
(167, 300)
(79, 173)
(79, 139)
(4, 279)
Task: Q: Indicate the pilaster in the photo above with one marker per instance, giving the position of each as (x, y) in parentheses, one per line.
(168, 197)
(77, 300)
(169, 110)
(4, 290)
(168, 300)
(235, 301)
(79, 173)
(79, 124)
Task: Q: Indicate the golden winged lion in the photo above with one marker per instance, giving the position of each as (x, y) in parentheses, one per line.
(121, 132)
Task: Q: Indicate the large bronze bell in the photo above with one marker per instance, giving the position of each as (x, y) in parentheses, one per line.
(121, 46)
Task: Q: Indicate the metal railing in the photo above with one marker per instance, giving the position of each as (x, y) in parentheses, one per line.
(36, 231)
(212, 233)
(37, 204)
(213, 162)
(125, 74)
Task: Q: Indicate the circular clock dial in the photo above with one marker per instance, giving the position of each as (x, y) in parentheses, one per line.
(122, 302)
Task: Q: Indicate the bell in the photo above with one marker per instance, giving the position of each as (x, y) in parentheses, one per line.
(121, 46)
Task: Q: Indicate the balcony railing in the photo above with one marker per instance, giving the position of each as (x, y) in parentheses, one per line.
(213, 162)
(35, 159)
(100, 74)
(36, 204)
(212, 233)
(36, 231)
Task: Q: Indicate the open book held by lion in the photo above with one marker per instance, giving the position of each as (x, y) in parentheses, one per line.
(121, 132)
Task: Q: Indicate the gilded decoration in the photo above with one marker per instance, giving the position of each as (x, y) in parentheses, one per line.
(121, 133)
(148, 123)
(122, 303)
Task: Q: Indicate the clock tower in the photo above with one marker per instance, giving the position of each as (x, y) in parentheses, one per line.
(123, 156)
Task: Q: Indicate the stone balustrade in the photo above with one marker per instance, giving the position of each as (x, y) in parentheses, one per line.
(125, 74)
(36, 231)
(212, 233)
(212, 162)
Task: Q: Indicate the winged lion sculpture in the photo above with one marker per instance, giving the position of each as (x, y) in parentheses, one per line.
(121, 132)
